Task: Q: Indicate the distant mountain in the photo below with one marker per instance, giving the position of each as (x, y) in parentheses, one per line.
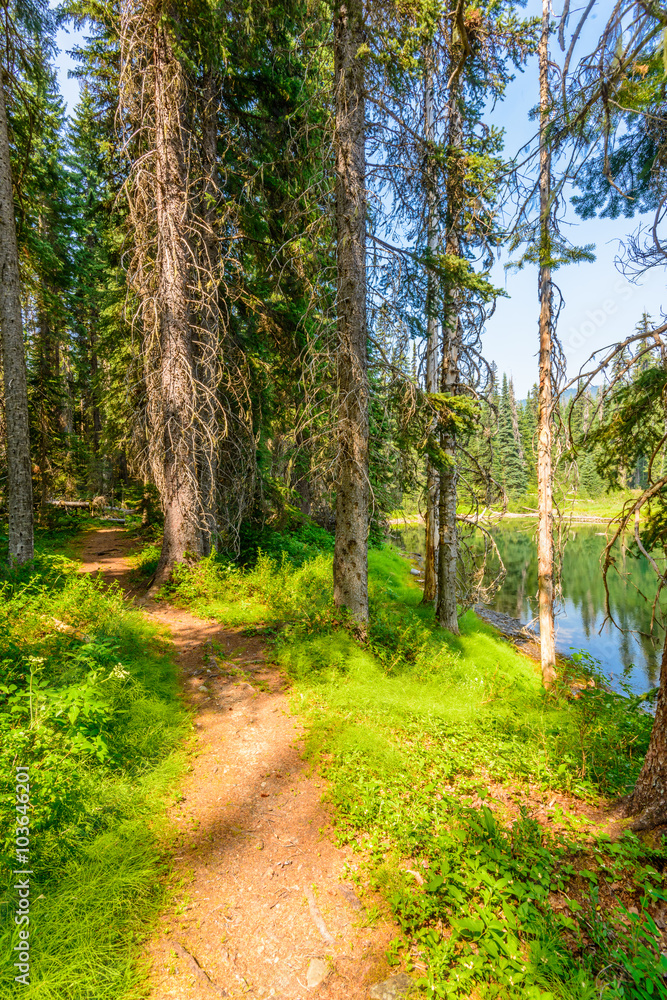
(572, 391)
(569, 393)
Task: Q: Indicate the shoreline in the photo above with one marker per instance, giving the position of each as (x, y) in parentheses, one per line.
(418, 521)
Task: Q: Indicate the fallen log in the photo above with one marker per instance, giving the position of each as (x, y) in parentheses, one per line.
(73, 504)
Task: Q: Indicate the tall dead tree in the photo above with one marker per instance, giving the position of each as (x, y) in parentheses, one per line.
(350, 569)
(19, 474)
(545, 544)
(154, 112)
(432, 343)
(172, 377)
(208, 334)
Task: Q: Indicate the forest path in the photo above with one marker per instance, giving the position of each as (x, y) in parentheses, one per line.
(264, 909)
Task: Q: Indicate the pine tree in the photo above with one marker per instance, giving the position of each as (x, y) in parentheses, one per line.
(92, 285)
(13, 360)
(514, 472)
(350, 553)
(527, 415)
(590, 482)
(25, 28)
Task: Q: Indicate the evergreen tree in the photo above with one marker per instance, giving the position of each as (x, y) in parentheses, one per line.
(527, 414)
(514, 473)
(590, 483)
(25, 33)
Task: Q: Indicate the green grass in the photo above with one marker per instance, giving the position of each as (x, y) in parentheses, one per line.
(438, 749)
(89, 702)
(409, 509)
(606, 507)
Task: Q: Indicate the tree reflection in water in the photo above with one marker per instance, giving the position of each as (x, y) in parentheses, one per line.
(626, 656)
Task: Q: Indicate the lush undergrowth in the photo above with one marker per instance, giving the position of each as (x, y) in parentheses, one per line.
(89, 704)
(442, 754)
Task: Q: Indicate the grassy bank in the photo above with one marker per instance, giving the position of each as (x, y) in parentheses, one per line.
(89, 703)
(604, 508)
(467, 792)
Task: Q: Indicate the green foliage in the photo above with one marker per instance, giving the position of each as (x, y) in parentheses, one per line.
(145, 561)
(609, 735)
(509, 444)
(627, 143)
(298, 541)
(88, 702)
(590, 483)
(459, 272)
(634, 423)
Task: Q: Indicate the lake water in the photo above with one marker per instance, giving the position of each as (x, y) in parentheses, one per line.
(626, 656)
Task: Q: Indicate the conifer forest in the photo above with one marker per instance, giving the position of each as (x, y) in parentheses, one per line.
(333, 641)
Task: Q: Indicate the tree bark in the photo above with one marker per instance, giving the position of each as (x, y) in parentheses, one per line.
(19, 472)
(207, 348)
(545, 545)
(97, 471)
(171, 379)
(350, 569)
(45, 377)
(446, 610)
(648, 801)
(432, 345)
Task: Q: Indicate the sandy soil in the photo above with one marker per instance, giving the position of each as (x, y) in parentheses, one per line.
(266, 896)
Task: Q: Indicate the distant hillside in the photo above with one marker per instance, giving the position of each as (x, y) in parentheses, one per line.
(569, 393)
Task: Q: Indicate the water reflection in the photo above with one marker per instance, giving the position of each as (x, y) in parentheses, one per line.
(625, 656)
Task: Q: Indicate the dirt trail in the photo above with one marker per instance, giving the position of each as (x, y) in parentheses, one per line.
(267, 908)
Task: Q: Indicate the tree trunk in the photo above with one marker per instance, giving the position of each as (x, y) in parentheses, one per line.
(171, 375)
(97, 474)
(45, 377)
(545, 544)
(19, 472)
(350, 569)
(66, 404)
(449, 377)
(430, 578)
(586, 415)
(208, 341)
(648, 801)
(448, 534)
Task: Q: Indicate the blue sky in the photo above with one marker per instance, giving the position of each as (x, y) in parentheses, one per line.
(601, 306)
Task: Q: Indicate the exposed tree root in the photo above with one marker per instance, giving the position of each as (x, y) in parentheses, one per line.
(641, 819)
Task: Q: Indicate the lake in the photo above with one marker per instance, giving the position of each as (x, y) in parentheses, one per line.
(625, 657)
